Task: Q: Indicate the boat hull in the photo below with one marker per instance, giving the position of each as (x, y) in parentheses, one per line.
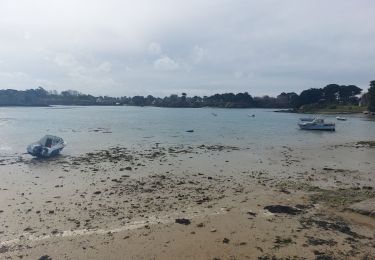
(327, 127)
(42, 151)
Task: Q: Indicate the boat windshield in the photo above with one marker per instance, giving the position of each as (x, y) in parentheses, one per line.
(319, 120)
(50, 140)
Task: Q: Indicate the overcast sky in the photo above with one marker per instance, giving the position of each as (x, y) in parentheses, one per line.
(160, 47)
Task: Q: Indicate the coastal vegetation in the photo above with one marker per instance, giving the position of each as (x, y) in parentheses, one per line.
(371, 96)
(331, 98)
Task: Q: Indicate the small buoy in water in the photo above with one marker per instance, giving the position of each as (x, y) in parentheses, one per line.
(190, 131)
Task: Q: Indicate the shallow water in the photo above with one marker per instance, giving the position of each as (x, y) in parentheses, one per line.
(87, 128)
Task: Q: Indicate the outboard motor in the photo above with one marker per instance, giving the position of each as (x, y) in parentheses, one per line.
(34, 149)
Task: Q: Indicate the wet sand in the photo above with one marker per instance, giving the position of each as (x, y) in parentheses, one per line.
(192, 202)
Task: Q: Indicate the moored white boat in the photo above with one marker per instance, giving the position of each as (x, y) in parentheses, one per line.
(317, 124)
(341, 118)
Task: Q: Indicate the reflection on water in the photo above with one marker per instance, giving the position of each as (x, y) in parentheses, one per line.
(87, 128)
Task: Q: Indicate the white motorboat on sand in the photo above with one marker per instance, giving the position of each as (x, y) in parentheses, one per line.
(48, 146)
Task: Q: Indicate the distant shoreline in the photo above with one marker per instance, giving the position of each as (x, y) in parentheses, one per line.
(336, 99)
(126, 105)
(290, 110)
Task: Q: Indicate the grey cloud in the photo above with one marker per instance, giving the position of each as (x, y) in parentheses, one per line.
(199, 47)
(166, 63)
(154, 48)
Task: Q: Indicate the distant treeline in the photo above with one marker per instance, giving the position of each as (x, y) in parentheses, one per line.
(330, 94)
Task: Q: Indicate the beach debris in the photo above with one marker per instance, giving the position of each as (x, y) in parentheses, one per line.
(282, 241)
(190, 131)
(226, 240)
(283, 209)
(322, 256)
(366, 207)
(369, 144)
(45, 257)
(253, 214)
(304, 207)
(319, 242)
(284, 190)
(100, 130)
(342, 197)
(339, 225)
(183, 221)
(4, 249)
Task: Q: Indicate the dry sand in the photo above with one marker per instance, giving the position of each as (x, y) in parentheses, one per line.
(201, 202)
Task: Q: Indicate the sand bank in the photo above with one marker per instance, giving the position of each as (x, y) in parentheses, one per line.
(190, 202)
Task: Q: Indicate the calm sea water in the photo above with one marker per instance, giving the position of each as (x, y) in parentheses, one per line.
(88, 128)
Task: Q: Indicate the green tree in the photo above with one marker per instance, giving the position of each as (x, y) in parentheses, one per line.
(287, 100)
(371, 94)
(149, 100)
(138, 100)
(183, 98)
(347, 92)
(331, 92)
(309, 96)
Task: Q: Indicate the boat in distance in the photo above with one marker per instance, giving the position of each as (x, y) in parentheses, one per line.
(317, 124)
(340, 118)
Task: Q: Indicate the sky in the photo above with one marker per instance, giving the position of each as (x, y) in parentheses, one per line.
(201, 47)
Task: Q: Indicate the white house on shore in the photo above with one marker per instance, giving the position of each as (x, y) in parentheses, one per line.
(363, 100)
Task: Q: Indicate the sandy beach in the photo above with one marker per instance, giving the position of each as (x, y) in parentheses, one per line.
(190, 202)
(187, 130)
